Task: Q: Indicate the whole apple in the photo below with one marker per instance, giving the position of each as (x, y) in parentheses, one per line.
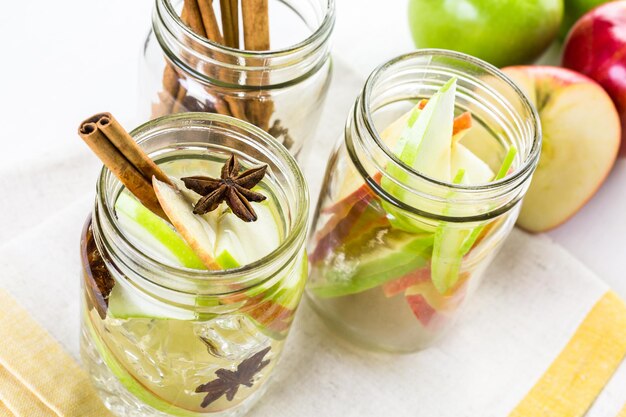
(574, 9)
(502, 32)
(581, 135)
(596, 47)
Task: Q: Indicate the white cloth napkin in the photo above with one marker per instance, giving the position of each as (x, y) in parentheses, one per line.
(531, 303)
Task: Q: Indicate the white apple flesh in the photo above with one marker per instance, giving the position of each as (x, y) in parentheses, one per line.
(581, 137)
(197, 232)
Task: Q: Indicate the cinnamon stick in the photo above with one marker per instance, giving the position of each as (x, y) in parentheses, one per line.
(124, 158)
(207, 14)
(230, 22)
(256, 35)
(191, 10)
(256, 25)
(210, 29)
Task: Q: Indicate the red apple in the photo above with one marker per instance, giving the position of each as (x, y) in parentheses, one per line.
(596, 47)
(581, 136)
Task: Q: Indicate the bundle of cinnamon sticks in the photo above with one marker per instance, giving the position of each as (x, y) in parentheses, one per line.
(200, 16)
(124, 158)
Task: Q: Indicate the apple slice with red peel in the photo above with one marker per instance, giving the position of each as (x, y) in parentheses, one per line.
(196, 231)
(399, 285)
(360, 219)
(429, 305)
(421, 309)
(581, 137)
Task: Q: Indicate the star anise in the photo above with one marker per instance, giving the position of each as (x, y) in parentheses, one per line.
(228, 382)
(232, 187)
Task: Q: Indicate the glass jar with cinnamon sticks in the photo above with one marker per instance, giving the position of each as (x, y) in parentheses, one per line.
(263, 61)
(193, 264)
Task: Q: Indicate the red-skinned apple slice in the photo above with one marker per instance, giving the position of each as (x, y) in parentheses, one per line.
(428, 304)
(399, 285)
(198, 234)
(360, 219)
(421, 309)
(581, 137)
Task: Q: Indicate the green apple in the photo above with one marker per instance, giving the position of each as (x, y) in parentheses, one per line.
(502, 32)
(574, 10)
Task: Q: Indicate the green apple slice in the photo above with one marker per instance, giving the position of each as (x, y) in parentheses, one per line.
(450, 239)
(452, 242)
(129, 382)
(125, 303)
(248, 242)
(429, 150)
(446, 262)
(141, 222)
(157, 236)
(425, 145)
(476, 171)
(194, 229)
(395, 254)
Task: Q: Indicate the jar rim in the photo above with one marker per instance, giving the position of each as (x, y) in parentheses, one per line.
(323, 31)
(240, 275)
(528, 163)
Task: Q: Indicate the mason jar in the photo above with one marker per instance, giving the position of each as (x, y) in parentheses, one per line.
(392, 270)
(163, 340)
(281, 90)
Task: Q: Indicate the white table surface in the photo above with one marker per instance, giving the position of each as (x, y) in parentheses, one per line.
(62, 61)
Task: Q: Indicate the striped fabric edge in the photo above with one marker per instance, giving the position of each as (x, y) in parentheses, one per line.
(19, 400)
(577, 376)
(4, 411)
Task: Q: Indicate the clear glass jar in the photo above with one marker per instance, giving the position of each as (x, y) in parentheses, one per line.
(179, 330)
(372, 253)
(281, 90)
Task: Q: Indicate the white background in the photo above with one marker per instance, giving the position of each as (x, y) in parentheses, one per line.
(64, 60)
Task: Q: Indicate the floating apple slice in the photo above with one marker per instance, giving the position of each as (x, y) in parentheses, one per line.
(430, 306)
(399, 285)
(248, 241)
(421, 309)
(196, 231)
(447, 256)
(476, 171)
(452, 242)
(395, 254)
(354, 189)
(125, 303)
(139, 222)
(426, 144)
